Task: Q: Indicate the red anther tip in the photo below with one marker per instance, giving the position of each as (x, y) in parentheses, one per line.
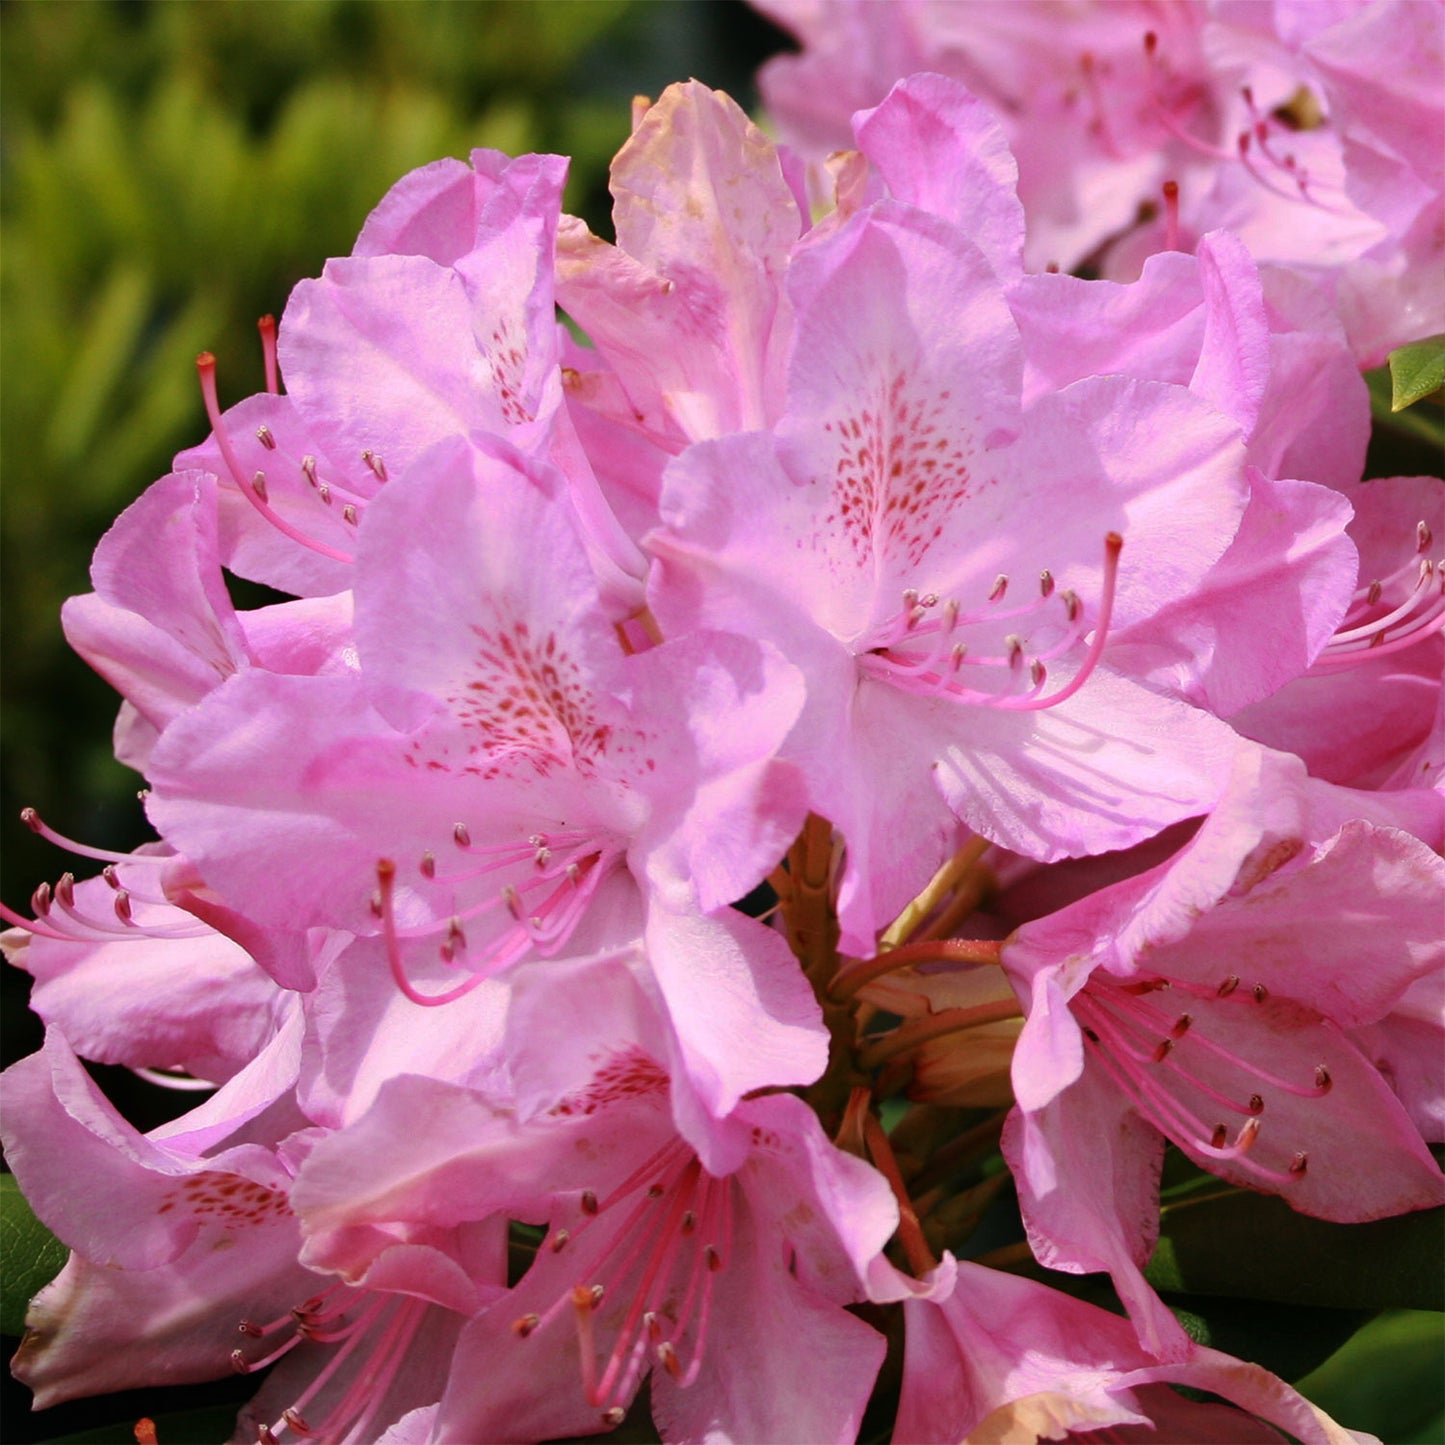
(145, 1431)
(1113, 543)
(589, 1202)
(1151, 42)
(581, 1297)
(385, 870)
(525, 1325)
(206, 361)
(266, 323)
(1323, 1082)
(1217, 1138)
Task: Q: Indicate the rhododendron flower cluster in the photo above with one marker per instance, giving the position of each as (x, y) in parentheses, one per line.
(873, 733)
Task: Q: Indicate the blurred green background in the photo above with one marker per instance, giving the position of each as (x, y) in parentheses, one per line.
(170, 169)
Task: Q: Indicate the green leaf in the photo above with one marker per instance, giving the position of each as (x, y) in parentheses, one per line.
(1387, 1380)
(1421, 423)
(30, 1256)
(1254, 1246)
(1416, 371)
(1288, 1340)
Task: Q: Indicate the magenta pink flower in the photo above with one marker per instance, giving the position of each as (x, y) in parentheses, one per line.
(724, 1286)
(1212, 1001)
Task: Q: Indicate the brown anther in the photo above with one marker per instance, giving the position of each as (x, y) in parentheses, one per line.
(265, 1436)
(1162, 1050)
(348, 514)
(40, 901)
(614, 1415)
(1072, 606)
(65, 890)
(596, 1293)
(1046, 583)
(296, 1420)
(1228, 986)
(428, 864)
(308, 468)
(1299, 1165)
(1373, 595)
(1375, 641)
(1423, 536)
(689, 1222)
(462, 835)
(376, 905)
(324, 492)
(258, 485)
(263, 435)
(1092, 1037)
(1000, 586)
(589, 1202)
(1151, 43)
(1181, 1026)
(655, 1191)
(1015, 645)
(1037, 672)
(251, 1329)
(374, 462)
(238, 1363)
(1217, 1138)
(1256, 1104)
(523, 1326)
(651, 1325)
(667, 1358)
(111, 877)
(455, 936)
(712, 1259)
(1247, 1135)
(122, 906)
(1260, 993)
(558, 1242)
(1323, 1082)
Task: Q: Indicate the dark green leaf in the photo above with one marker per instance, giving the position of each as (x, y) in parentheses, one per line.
(1254, 1246)
(1388, 1379)
(1416, 371)
(1288, 1340)
(1422, 423)
(30, 1256)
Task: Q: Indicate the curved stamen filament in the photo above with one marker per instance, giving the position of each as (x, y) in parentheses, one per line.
(935, 1026)
(386, 879)
(847, 984)
(33, 821)
(206, 369)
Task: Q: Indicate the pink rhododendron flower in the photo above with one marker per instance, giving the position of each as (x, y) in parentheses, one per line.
(739, 796)
(1211, 1002)
(1292, 127)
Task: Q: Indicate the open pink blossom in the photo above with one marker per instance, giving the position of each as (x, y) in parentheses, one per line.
(953, 567)
(725, 1286)
(499, 774)
(1213, 1001)
(1290, 127)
